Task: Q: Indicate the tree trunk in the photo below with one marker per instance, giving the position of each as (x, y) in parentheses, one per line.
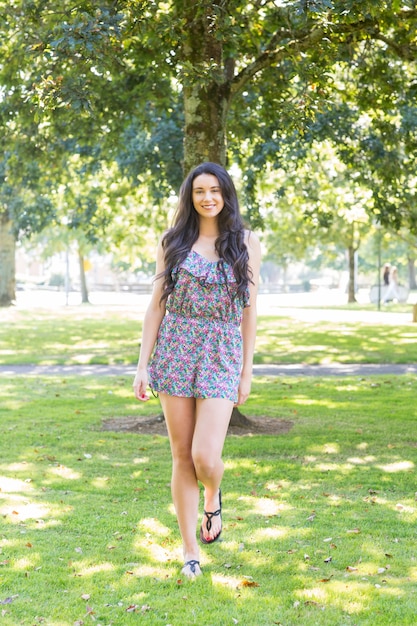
(351, 290)
(7, 262)
(238, 419)
(206, 88)
(83, 280)
(412, 273)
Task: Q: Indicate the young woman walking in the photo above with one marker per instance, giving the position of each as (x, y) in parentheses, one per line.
(198, 342)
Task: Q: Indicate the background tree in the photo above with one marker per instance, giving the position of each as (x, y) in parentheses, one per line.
(257, 75)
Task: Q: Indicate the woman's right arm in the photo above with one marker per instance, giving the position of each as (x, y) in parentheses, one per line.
(151, 323)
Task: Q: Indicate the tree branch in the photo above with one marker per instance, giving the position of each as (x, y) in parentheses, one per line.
(305, 39)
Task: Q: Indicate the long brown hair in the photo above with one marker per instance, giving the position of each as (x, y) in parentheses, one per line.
(230, 246)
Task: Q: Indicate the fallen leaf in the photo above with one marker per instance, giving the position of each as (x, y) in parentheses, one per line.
(85, 596)
(326, 580)
(132, 608)
(249, 583)
(350, 568)
(354, 531)
(329, 558)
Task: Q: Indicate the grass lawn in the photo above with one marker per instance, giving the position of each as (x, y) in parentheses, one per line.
(93, 335)
(319, 522)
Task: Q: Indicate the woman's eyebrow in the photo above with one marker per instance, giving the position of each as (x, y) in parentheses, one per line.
(212, 187)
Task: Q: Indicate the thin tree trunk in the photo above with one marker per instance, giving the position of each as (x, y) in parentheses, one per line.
(83, 280)
(351, 289)
(412, 273)
(7, 262)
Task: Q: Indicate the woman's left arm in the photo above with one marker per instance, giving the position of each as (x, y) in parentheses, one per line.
(248, 326)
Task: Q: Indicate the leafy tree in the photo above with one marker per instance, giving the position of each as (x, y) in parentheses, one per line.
(256, 74)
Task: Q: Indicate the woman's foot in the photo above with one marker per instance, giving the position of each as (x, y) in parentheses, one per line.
(211, 526)
(191, 569)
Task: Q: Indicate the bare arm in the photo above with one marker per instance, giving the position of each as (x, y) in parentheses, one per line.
(151, 323)
(248, 326)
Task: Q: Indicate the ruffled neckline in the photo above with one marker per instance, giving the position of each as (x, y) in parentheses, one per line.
(211, 271)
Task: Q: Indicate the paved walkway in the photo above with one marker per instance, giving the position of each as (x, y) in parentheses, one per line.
(335, 369)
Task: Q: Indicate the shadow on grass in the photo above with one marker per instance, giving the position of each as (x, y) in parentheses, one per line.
(319, 523)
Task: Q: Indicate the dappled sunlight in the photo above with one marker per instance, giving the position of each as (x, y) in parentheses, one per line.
(264, 506)
(140, 460)
(226, 581)
(275, 486)
(334, 467)
(84, 568)
(239, 464)
(269, 508)
(154, 551)
(64, 472)
(398, 466)
(18, 509)
(270, 533)
(151, 529)
(325, 448)
(14, 485)
(412, 574)
(101, 482)
(17, 504)
(355, 460)
(153, 571)
(27, 563)
(154, 526)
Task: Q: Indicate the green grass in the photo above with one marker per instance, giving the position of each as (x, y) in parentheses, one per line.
(88, 528)
(319, 522)
(92, 335)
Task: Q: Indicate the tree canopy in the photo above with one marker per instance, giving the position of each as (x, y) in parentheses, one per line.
(156, 87)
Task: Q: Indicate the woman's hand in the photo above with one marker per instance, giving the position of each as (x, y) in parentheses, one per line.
(140, 384)
(244, 389)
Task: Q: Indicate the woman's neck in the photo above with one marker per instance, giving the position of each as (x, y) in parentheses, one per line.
(208, 229)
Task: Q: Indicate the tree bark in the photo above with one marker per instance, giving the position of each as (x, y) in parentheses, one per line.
(7, 262)
(351, 289)
(412, 273)
(206, 87)
(83, 280)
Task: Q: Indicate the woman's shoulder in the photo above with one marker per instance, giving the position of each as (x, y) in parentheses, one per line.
(251, 240)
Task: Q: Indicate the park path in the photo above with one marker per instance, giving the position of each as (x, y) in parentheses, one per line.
(335, 369)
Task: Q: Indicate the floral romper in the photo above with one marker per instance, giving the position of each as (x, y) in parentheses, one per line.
(198, 351)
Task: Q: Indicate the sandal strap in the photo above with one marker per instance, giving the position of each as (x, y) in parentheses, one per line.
(192, 564)
(209, 515)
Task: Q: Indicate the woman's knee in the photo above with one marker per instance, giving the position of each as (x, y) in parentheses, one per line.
(206, 465)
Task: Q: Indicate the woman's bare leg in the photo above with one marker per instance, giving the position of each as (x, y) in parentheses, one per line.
(180, 419)
(212, 421)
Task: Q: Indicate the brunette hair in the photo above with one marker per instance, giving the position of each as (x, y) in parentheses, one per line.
(230, 246)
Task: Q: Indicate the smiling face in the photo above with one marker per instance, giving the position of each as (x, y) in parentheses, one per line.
(207, 195)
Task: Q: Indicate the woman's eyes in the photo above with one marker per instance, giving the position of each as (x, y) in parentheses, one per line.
(200, 191)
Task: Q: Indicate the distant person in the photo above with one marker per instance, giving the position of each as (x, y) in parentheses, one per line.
(392, 293)
(386, 273)
(198, 342)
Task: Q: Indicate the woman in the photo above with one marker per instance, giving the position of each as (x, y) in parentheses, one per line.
(198, 343)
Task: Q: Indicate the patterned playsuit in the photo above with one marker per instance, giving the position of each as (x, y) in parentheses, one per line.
(198, 352)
